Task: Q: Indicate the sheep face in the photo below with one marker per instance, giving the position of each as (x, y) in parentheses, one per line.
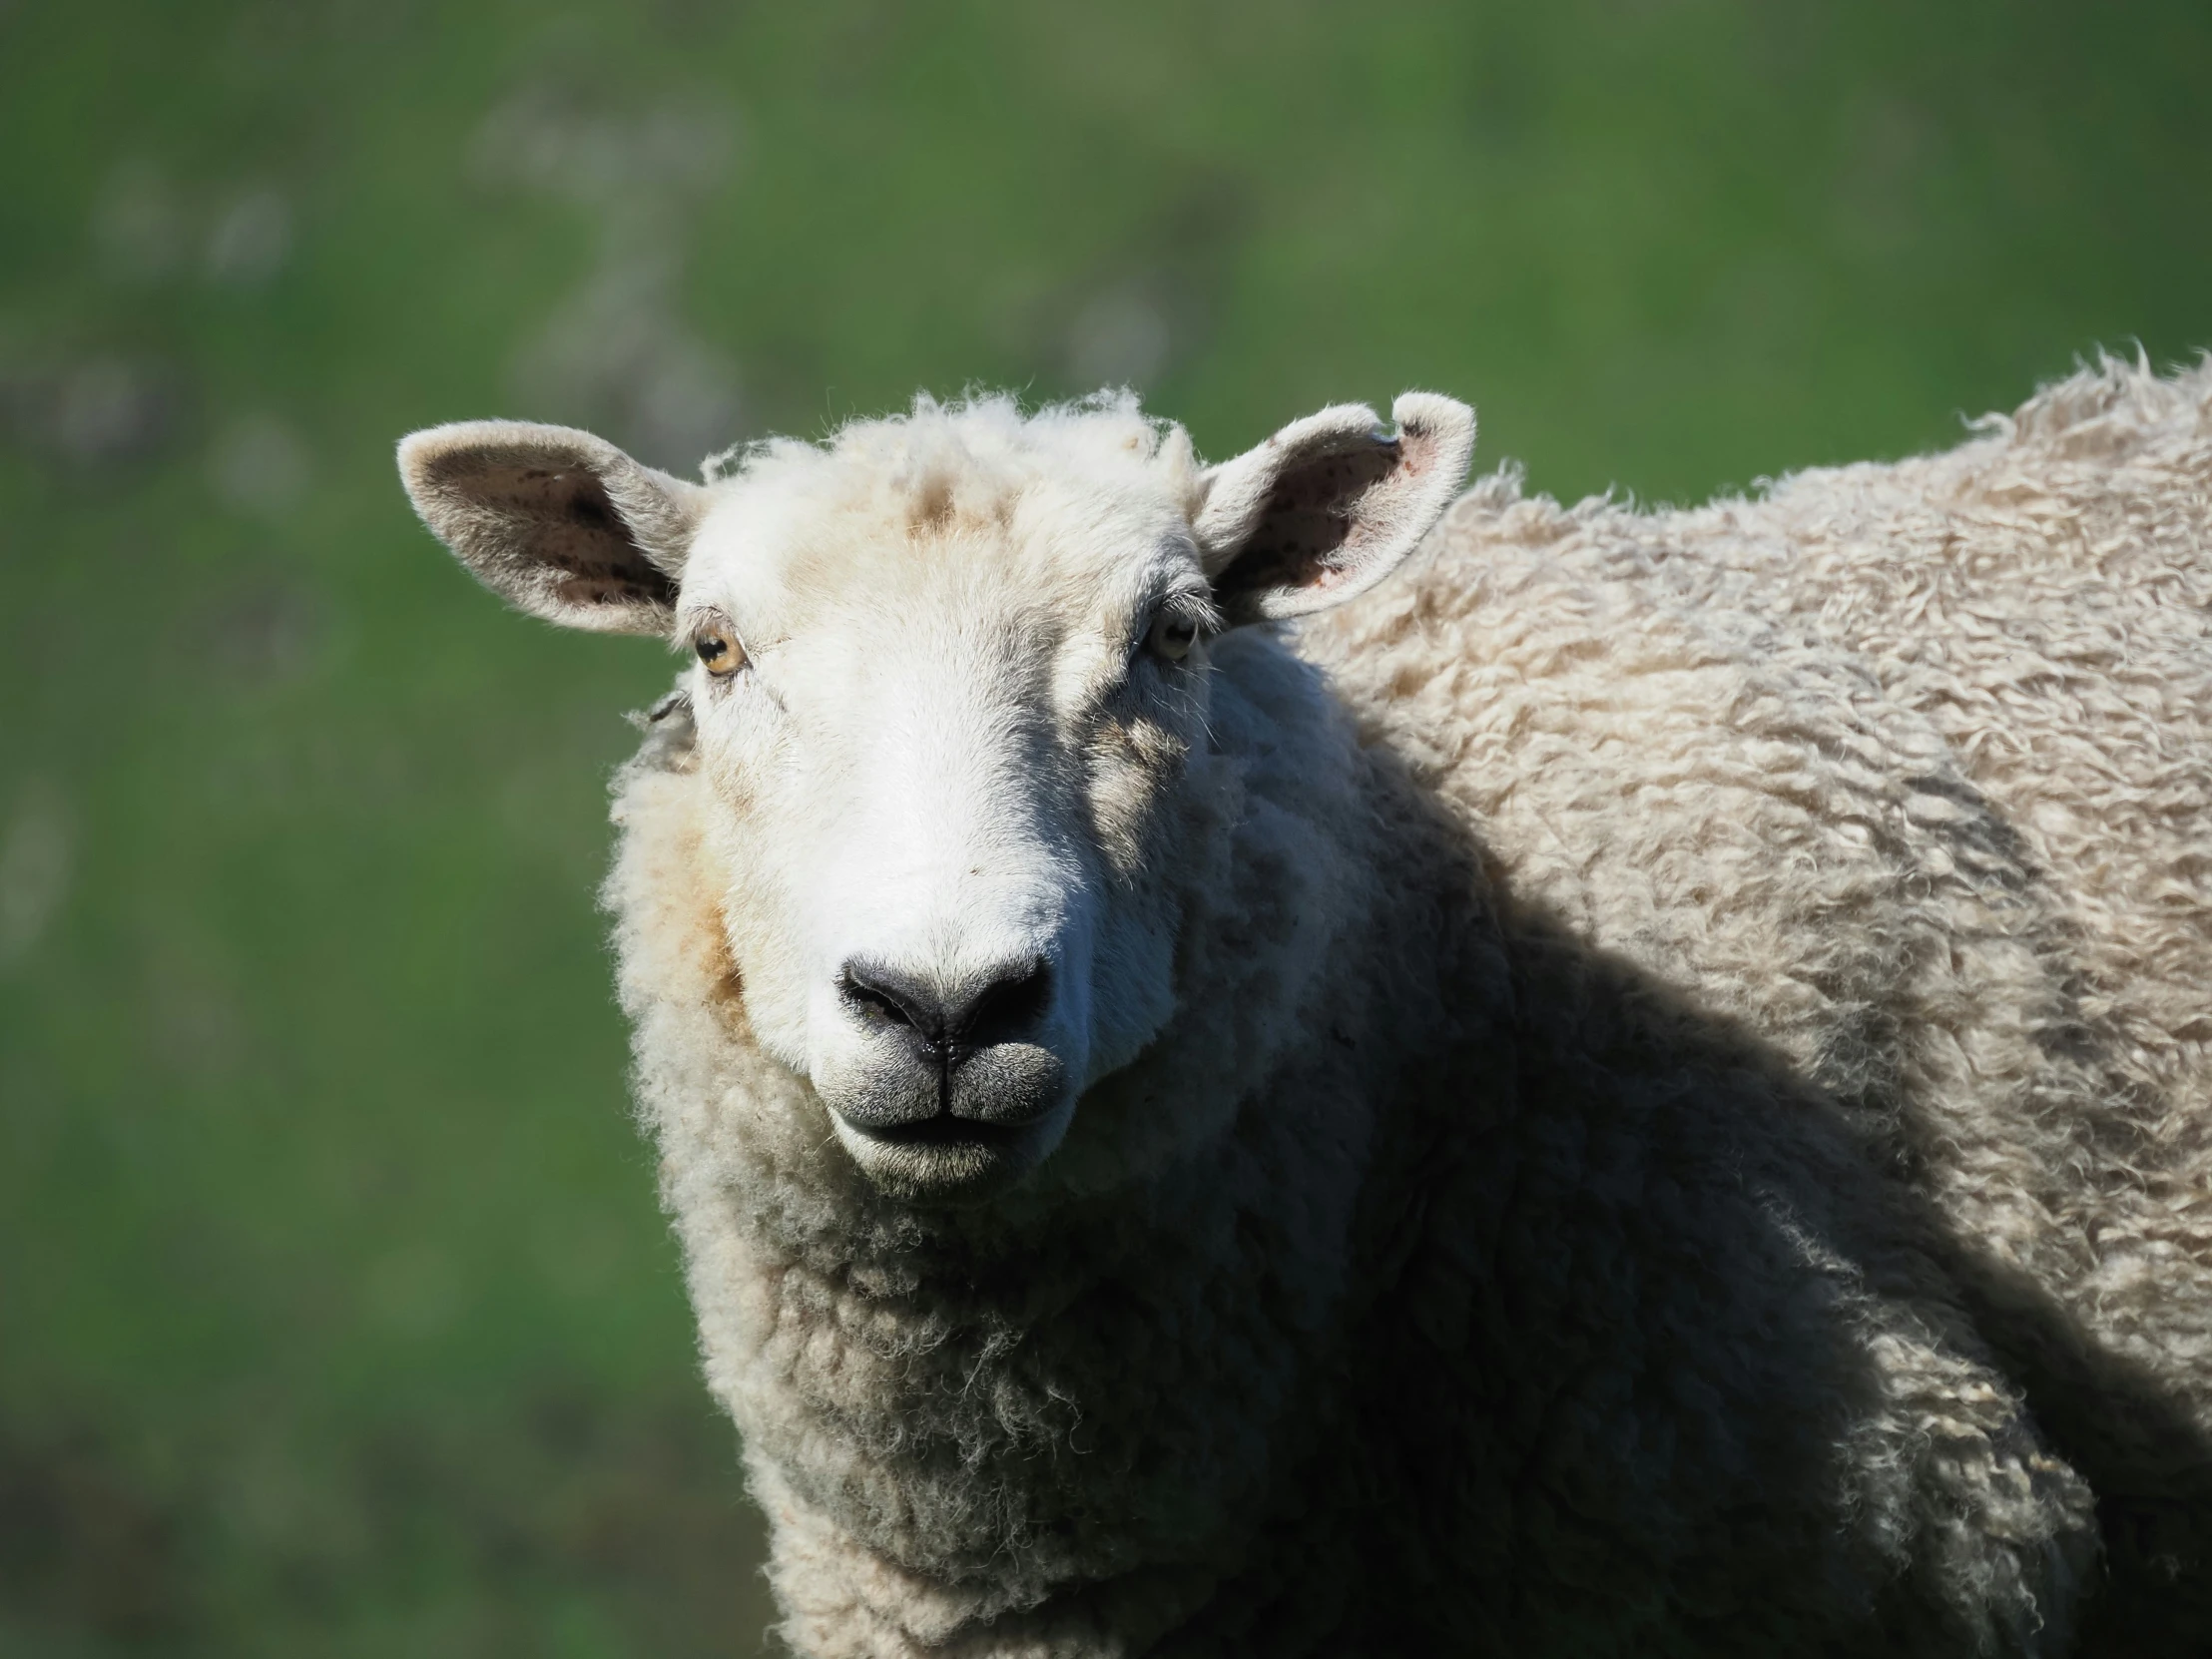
(949, 676)
(944, 771)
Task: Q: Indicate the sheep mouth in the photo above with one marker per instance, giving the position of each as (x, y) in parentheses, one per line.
(950, 1159)
(945, 1130)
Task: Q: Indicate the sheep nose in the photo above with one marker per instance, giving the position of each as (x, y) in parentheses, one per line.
(945, 1023)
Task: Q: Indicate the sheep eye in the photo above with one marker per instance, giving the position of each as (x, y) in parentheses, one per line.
(717, 648)
(1172, 636)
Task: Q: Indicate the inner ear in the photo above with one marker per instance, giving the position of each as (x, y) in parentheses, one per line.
(1312, 512)
(565, 522)
(1330, 505)
(558, 522)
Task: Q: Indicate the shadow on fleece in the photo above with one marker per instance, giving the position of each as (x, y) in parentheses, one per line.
(1696, 1153)
(1823, 1183)
(1992, 990)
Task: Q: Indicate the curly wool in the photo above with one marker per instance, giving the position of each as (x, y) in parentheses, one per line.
(1698, 1024)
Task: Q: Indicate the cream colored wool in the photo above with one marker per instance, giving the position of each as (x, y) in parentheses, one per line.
(1684, 1126)
(1902, 773)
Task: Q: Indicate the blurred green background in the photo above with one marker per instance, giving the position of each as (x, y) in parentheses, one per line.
(336, 1316)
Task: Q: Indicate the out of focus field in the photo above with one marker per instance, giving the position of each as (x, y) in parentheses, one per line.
(336, 1316)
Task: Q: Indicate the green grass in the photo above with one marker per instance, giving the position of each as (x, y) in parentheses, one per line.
(335, 1313)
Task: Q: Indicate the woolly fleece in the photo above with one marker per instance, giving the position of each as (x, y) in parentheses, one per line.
(1689, 1117)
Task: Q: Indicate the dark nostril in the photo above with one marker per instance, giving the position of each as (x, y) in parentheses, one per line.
(885, 994)
(991, 1008)
(1005, 1007)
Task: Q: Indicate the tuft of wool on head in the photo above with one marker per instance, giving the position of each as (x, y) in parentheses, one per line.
(970, 458)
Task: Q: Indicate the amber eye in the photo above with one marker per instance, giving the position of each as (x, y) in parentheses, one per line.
(717, 648)
(1173, 634)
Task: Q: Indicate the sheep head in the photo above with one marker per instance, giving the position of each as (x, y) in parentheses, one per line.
(949, 674)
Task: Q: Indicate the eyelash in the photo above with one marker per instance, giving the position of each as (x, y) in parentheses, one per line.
(1175, 627)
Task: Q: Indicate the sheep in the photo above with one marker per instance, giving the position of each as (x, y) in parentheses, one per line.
(1637, 1087)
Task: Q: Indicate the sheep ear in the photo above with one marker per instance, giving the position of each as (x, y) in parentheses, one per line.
(1328, 507)
(555, 522)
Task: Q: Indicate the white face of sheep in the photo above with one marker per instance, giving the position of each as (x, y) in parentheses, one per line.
(947, 673)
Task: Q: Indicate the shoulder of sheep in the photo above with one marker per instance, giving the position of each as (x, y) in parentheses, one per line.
(1907, 771)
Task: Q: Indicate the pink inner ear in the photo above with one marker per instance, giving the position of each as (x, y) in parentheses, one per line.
(569, 529)
(1311, 516)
